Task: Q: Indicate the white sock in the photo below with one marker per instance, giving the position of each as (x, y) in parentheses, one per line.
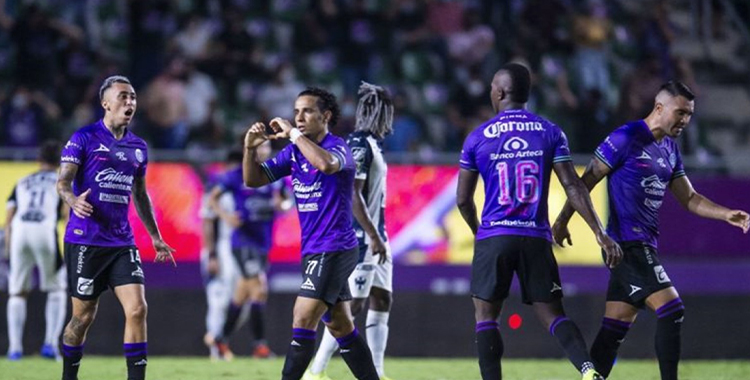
(55, 317)
(16, 320)
(377, 336)
(328, 345)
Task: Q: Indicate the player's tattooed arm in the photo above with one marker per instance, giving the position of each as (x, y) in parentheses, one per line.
(467, 185)
(146, 212)
(698, 204)
(81, 208)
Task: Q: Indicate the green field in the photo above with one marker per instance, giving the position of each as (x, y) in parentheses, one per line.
(172, 368)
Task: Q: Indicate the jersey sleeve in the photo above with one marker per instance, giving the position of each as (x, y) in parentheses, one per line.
(613, 150)
(341, 151)
(468, 159)
(74, 151)
(142, 158)
(362, 155)
(279, 166)
(678, 169)
(562, 151)
(11, 199)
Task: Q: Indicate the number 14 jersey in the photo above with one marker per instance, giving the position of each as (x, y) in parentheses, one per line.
(514, 153)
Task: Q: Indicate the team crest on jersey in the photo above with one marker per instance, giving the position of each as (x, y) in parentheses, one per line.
(139, 155)
(672, 160)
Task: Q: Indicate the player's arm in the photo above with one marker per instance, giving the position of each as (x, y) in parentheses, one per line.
(578, 198)
(698, 204)
(359, 208)
(81, 208)
(252, 173)
(594, 173)
(213, 202)
(145, 211)
(467, 185)
(320, 158)
(10, 212)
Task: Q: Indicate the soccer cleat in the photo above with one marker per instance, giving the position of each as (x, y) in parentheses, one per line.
(310, 376)
(48, 352)
(224, 352)
(592, 375)
(262, 351)
(15, 356)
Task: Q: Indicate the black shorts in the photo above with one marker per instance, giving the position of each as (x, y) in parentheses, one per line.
(92, 269)
(325, 276)
(497, 257)
(252, 262)
(638, 276)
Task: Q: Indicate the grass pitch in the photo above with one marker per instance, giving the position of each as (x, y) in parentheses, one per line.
(200, 368)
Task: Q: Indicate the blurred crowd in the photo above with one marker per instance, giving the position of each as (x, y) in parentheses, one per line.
(205, 69)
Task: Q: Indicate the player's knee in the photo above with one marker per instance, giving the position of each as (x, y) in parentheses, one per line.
(381, 301)
(138, 312)
(357, 305)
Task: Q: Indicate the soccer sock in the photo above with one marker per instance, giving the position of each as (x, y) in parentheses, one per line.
(300, 353)
(668, 340)
(216, 313)
(377, 336)
(233, 313)
(357, 356)
(490, 349)
(16, 320)
(328, 345)
(604, 349)
(572, 342)
(257, 323)
(55, 317)
(71, 361)
(136, 357)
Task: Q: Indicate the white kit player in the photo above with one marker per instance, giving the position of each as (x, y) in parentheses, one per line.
(373, 276)
(33, 211)
(220, 269)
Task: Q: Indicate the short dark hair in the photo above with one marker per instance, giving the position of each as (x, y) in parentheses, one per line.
(109, 82)
(49, 152)
(677, 88)
(520, 79)
(326, 102)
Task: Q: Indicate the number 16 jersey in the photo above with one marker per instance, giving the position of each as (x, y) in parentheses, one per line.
(514, 153)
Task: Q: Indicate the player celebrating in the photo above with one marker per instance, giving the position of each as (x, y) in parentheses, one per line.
(252, 220)
(371, 278)
(641, 160)
(102, 164)
(515, 152)
(322, 170)
(34, 209)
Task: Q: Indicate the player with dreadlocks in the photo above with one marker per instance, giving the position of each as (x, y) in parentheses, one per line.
(372, 278)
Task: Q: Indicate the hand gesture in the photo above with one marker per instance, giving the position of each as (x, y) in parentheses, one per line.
(82, 208)
(378, 249)
(163, 252)
(213, 266)
(613, 252)
(560, 233)
(739, 219)
(255, 136)
(281, 128)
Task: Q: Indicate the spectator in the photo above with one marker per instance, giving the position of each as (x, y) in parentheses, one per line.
(165, 107)
(25, 116)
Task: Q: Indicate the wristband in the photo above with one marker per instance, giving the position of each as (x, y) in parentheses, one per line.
(294, 134)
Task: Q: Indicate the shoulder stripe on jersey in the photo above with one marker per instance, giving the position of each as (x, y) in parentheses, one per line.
(340, 157)
(268, 172)
(678, 174)
(562, 159)
(603, 160)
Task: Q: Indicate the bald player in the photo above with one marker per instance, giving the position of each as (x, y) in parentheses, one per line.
(515, 152)
(641, 161)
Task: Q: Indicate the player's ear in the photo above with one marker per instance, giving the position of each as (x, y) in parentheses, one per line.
(327, 116)
(105, 105)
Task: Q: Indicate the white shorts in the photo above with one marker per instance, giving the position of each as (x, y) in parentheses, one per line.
(369, 274)
(30, 248)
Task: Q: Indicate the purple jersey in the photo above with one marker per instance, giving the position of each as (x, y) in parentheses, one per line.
(108, 167)
(514, 153)
(324, 202)
(642, 168)
(255, 208)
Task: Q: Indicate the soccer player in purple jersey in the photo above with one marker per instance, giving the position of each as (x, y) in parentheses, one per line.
(102, 164)
(252, 222)
(515, 152)
(322, 170)
(641, 161)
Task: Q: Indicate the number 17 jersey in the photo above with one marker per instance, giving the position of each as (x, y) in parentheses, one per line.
(514, 153)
